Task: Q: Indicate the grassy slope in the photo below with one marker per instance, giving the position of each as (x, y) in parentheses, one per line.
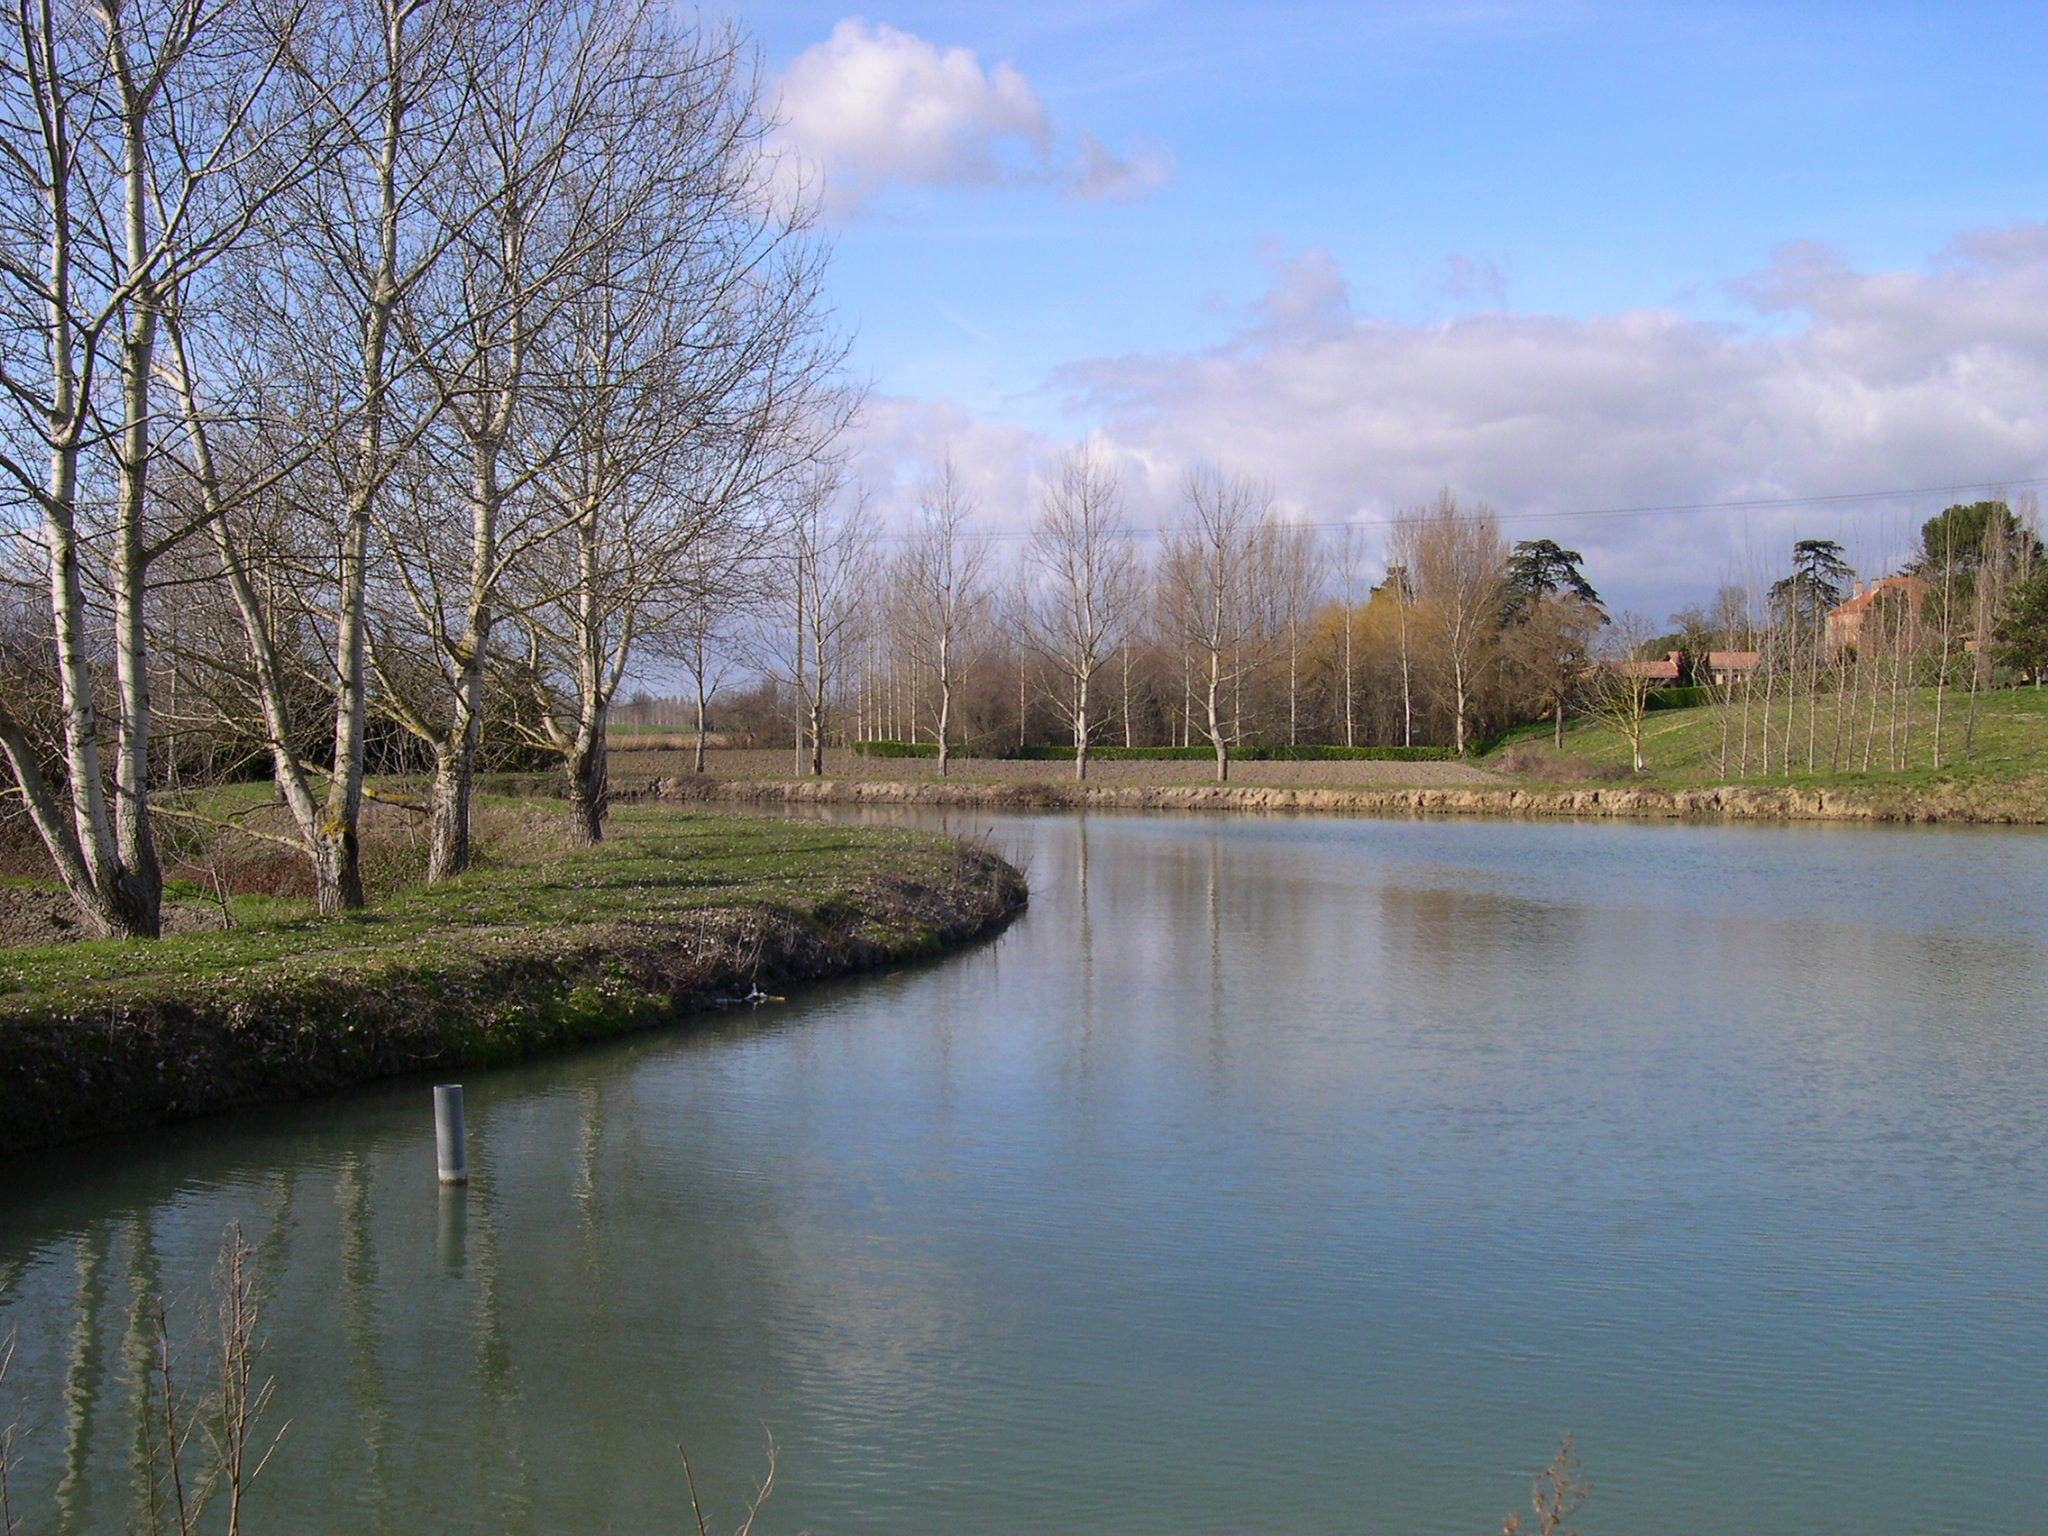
(658, 864)
(2005, 776)
(546, 947)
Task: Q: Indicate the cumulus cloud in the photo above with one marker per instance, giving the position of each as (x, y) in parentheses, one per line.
(872, 106)
(901, 440)
(1861, 381)
(1848, 381)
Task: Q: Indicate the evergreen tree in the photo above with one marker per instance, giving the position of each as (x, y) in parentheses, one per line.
(1819, 574)
(1539, 568)
(2020, 638)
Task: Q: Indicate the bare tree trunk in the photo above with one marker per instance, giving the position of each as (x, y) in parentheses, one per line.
(1976, 664)
(1218, 738)
(799, 697)
(699, 764)
(1727, 717)
(1813, 699)
(1842, 707)
(589, 776)
(1748, 699)
(945, 701)
(1407, 692)
(1350, 734)
(132, 836)
(1770, 662)
(1892, 712)
(338, 851)
(1293, 686)
(1081, 726)
(1187, 703)
(1126, 651)
(448, 842)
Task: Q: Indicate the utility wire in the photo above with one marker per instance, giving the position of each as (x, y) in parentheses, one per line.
(1767, 503)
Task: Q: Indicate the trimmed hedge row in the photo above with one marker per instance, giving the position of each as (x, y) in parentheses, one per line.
(896, 749)
(1301, 754)
(1677, 698)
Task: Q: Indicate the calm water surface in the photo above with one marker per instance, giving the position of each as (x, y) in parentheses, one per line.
(1296, 1176)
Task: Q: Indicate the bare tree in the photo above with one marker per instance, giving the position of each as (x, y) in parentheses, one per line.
(526, 191)
(705, 632)
(140, 142)
(1401, 585)
(1082, 551)
(1209, 572)
(1623, 682)
(683, 377)
(830, 567)
(1347, 586)
(1548, 649)
(941, 580)
(1300, 571)
(1457, 561)
(339, 253)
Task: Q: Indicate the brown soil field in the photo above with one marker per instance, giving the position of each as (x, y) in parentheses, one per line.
(630, 764)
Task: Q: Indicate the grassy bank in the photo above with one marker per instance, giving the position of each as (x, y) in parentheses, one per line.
(2003, 780)
(1997, 773)
(538, 947)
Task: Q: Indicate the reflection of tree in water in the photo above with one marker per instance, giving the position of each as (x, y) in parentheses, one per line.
(1468, 938)
(83, 1375)
(368, 1392)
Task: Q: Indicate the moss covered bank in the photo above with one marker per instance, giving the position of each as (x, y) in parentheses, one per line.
(675, 913)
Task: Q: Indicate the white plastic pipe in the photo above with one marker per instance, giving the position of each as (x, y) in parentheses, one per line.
(449, 1151)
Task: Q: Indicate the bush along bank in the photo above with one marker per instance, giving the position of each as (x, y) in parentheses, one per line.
(105, 1036)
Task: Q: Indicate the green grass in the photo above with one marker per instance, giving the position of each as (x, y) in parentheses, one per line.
(536, 948)
(1683, 747)
(657, 865)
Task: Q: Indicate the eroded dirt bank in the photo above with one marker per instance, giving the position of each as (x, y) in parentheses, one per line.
(1997, 804)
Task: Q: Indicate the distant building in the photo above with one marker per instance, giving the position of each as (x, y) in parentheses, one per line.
(1845, 622)
(1727, 667)
(1658, 674)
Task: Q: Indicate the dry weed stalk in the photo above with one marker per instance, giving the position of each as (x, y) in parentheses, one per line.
(760, 1497)
(8, 1435)
(1556, 1493)
(229, 1416)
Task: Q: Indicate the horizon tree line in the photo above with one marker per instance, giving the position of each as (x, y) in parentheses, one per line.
(1242, 629)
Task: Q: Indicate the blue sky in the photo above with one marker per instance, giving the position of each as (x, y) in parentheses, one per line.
(1548, 255)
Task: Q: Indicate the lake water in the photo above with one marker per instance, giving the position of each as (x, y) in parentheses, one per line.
(1279, 1175)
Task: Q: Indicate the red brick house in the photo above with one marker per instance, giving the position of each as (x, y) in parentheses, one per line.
(1845, 622)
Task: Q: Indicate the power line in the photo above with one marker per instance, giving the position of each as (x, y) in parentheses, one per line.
(1757, 504)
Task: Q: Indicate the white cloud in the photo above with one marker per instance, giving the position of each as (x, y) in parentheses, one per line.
(901, 439)
(1882, 380)
(1851, 381)
(872, 106)
(1098, 175)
